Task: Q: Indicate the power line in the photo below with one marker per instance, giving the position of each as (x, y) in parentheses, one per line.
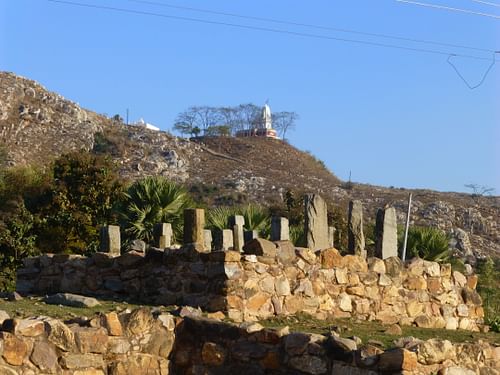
(486, 3)
(312, 26)
(265, 29)
(443, 7)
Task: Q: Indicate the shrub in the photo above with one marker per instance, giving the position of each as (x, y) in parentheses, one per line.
(150, 201)
(427, 243)
(256, 218)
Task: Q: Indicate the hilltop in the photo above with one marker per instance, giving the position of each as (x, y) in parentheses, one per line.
(37, 125)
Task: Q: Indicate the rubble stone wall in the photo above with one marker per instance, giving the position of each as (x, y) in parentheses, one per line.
(283, 280)
(139, 342)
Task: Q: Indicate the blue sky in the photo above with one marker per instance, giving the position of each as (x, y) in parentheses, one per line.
(392, 117)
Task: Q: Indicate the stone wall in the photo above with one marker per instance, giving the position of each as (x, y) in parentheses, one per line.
(269, 279)
(142, 343)
(129, 343)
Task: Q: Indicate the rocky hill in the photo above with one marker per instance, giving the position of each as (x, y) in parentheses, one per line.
(37, 125)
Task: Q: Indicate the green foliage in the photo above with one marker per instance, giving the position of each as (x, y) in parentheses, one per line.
(427, 243)
(16, 242)
(489, 289)
(297, 235)
(84, 189)
(256, 218)
(150, 201)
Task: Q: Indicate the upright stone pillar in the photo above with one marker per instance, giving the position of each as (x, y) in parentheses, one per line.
(316, 222)
(223, 240)
(237, 222)
(331, 236)
(280, 230)
(386, 233)
(194, 225)
(110, 240)
(207, 239)
(250, 235)
(163, 235)
(356, 238)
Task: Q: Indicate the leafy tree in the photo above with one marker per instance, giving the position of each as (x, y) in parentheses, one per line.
(17, 241)
(85, 189)
(150, 201)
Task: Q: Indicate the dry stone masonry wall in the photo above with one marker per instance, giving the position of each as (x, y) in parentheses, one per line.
(267, 279)
(141, 343)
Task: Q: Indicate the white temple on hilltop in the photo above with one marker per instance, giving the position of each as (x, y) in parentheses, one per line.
(146, 125)
(264, 127)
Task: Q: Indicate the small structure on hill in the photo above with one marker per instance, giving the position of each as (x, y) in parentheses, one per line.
(263, 127)
(144, 124)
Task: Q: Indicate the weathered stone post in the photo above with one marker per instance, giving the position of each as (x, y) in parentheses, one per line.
(386, 233)
(331, 236)
(223, 240)
(250, 235)
(194, 225)
(236, 223)
(316, 222)
(162, 235)
(356, 238)
(110, 240)
(280, 230)
(207, 239)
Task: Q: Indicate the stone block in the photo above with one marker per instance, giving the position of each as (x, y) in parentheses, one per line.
(14, 349)
(316, 222)
(207, 239)
(260, 247)
(110, 240)
(331, 258)
(279, 229)
(356, 238)
(194, 226)
(162, 233)
(285, 252)
(386, 236)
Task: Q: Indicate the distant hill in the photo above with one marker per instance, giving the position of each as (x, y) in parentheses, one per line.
(37, 125)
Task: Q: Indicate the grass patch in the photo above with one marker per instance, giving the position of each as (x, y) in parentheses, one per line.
(34, 306)
(373, 330)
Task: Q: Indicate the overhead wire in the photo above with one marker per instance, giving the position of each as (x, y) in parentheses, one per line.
(486, 3)
(452, 9)
(265, 29)
(307, 25)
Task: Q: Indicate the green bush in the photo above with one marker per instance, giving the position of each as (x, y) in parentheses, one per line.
(150, 201)
(427, 243)
(488, 287)
(256, 218)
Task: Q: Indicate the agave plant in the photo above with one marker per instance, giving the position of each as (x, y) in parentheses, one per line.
(150, 201)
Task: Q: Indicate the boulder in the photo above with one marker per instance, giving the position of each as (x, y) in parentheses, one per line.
(68, 299)
(260, 246)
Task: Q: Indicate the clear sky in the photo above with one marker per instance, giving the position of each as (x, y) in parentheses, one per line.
(392, 117)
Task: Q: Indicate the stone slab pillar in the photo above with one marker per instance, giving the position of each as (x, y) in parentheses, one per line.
(223, 240)
(250, 235)
(386, 233)
(280, 230)
(194, 226)
(331, 236)
(162, 234)
(316, 222)
(236, 223)
(207, 237)
(356, 238)
(110, 240)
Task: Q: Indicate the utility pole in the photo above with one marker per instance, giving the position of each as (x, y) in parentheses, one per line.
(403, 256)
(127, 116)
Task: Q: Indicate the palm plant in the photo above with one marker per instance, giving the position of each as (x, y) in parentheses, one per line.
(428, 243)
(256, 218)
(150, 201)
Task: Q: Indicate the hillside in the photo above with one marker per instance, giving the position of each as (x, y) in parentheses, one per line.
(37, 125)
